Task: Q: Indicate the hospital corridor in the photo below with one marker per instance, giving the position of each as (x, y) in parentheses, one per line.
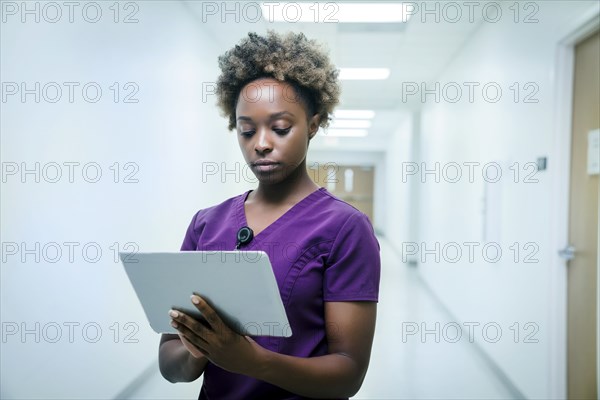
(417, 178)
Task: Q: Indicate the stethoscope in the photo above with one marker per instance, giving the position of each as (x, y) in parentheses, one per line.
(244, 235)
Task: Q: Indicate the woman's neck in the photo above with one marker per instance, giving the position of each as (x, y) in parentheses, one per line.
(293, 189)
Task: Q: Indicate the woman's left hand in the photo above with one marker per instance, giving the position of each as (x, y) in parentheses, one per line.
(219, 343)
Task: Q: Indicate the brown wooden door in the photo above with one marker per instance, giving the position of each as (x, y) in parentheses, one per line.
(352, 183)
(583, 227)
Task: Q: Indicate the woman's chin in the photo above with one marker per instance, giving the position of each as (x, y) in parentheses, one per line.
(269, 179)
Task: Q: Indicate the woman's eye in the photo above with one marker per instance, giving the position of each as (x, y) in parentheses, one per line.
(282, 131)
(247, 133)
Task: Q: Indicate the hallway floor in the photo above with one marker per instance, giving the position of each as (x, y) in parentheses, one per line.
(419, 367)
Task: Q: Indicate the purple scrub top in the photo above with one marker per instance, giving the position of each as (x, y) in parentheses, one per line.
(322, 249)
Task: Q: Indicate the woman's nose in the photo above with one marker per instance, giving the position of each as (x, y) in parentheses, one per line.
(263, 142)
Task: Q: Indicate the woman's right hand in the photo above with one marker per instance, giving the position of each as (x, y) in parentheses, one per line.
(190, 347)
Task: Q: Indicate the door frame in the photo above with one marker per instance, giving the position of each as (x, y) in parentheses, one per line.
(575, 32)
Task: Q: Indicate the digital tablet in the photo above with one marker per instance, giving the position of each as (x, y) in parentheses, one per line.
(239, 285)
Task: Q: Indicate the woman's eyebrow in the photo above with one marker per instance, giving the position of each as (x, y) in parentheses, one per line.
(280, 114)
(271, 117)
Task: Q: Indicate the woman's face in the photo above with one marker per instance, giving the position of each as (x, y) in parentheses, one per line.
(272, 128)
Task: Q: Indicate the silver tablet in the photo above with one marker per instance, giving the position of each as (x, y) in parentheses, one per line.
(239, 285)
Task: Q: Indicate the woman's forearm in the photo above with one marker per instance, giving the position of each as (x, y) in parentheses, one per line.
(177, 364)
(331, 376)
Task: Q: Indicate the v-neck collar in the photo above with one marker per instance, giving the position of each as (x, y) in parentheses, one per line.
(242, 221)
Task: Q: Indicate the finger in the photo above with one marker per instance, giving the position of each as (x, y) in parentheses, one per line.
(181, 318)
(191, 337)
(207, 311)
(192, 348)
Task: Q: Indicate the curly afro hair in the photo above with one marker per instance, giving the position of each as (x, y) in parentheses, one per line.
(287, 57)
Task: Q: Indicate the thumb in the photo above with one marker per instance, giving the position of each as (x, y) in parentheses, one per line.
(248, 338)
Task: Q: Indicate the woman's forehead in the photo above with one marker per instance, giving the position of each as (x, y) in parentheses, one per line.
(269, 93)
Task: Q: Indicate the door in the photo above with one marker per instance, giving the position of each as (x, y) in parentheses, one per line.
(351, 183)
(583, 227)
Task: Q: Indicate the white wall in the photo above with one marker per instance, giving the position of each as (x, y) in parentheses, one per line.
(399, 221)
(168, 134)
(502, 292)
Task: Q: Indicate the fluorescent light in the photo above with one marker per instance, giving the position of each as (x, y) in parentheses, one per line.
(351, 123)
(363, 73)
(374, 12)
(359, 114)
(334, 132)
(331, 141)
(337, 12)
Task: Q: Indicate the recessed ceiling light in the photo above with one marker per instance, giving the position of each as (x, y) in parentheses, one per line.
(334, 12)
(332, 141)
(350, 123)
(374, 12)
(359, 114)
(363, 73)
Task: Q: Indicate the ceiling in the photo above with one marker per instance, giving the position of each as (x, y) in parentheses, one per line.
(415, 51)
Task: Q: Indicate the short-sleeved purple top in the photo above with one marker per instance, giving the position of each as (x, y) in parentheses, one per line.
(322, 249)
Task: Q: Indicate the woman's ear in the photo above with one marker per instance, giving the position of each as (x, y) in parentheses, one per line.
(313, 126)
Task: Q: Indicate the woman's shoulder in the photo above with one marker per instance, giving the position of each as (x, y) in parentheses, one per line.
(330, 217)
(337, 209)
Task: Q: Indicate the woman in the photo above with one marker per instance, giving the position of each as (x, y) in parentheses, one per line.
(276, 91)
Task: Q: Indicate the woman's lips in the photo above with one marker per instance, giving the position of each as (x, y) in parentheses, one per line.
(265, 166)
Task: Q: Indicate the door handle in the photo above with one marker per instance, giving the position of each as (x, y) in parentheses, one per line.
(568, 253)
